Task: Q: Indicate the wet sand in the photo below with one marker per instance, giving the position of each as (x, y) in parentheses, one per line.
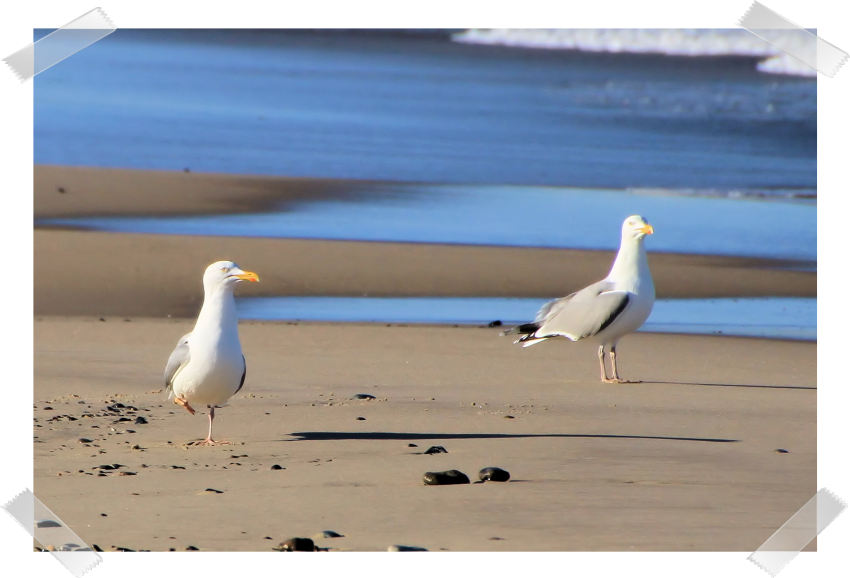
(157, 275)
(685, 461)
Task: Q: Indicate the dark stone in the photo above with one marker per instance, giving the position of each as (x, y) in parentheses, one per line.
(61, 189)
(361, 418)
(493, 475)
(84, 440)
(191, 549)
(47, 524)
(446, 478)
(436, 450)
(120, 419)
(298, 545)
(177, 468)
(398, 548)
(329, 534)
(509, 417)
(495, 323)
(104, 515)
(277, 467)
(140, 420)
(214, 491)
(119, 549)
(96, 548)
(781, 451)
(362, 396)
(48, 407)
(412, 446)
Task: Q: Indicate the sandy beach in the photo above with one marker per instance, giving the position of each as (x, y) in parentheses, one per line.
(685, 461)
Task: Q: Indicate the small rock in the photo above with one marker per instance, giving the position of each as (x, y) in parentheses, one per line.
(412, 446)
(47, 524)
(84, 440)
(446, 478)
(361, 419)
(126, 473)
(104, 515)
(398, 548)
(493, 475)
(496, 323)
(119, 549)
(496, 538)
(191, 549)
(277, 467)
(177, 468)
(509, 417)
(436, 450)
(211, 491)
(362, 396)
(328, 534)
(781, 451)
(298, 545)
(48, 407)
(96, 548)
(140, 420)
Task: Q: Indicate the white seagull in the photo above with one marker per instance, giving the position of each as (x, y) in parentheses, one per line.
(607, 310)
(207, 366)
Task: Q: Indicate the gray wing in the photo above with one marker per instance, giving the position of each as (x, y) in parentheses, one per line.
(244, 372)
(178, 359)
(585, 313)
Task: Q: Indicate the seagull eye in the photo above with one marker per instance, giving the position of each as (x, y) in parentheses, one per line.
(224, 269)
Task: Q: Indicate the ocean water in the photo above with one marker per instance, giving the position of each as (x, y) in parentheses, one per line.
(516, 216)
(780, 318)
(398, 106)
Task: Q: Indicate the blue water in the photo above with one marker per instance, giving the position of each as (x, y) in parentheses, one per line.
(516, 216)
(780, 318)
(420, 108)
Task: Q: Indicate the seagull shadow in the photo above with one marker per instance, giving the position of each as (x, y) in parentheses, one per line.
(732, 385)
(401, 436)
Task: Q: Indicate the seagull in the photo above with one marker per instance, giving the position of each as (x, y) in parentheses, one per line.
(607, 310)
(207, 366)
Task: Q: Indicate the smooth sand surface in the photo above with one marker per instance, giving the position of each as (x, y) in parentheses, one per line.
(686, 461)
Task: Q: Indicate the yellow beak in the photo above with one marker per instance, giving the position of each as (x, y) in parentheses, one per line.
(648, 230)
(248, 276)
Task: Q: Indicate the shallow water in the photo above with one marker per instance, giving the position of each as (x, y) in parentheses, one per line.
(516, 216)
(780, 318)
(419, 107)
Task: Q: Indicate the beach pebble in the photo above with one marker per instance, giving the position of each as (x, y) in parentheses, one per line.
(140, 420)
(361, 418)
(781, 451)
(126, 473)
(412, 446)
(509, 417)
(436, 450)
(493, 475)
(297, 545)
(446, 478)
(210, 491)
(362, 396)
(191, 549)
(84, 440)
(47, 524)
(277, 467)
(398, 548)
(120, 549)
(328, 534)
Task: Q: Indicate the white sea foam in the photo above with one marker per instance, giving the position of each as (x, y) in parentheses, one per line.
(680, 42)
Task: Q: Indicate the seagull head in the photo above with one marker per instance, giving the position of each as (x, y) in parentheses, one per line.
(226, 274)
(636, 227)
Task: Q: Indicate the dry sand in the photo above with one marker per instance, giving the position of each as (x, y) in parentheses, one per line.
(684, 461)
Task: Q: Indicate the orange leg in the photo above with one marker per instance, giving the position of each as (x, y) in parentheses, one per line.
(185, 404)
(209, 441)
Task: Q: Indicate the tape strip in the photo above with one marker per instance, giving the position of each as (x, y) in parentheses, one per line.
(52, 533)
(797, 532)
(793, 39)
(60, 44)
